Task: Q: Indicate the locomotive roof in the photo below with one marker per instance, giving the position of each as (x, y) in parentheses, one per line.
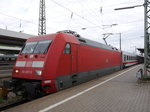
(81, 40)
(89, 42)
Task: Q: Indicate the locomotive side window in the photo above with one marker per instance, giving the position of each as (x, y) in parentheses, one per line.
(67, 49)
(42, 46)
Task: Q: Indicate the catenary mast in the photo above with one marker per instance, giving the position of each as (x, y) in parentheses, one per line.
(146, 39)
(42, 18)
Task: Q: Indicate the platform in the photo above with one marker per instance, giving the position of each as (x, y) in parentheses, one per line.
(117, 92)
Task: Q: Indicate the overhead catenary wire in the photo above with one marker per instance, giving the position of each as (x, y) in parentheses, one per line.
(76, 14)
(23, 20)
(70, 22)
(81, 16)
(71, 18)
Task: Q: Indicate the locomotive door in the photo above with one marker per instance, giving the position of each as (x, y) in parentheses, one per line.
(68, 60)
(74, 60)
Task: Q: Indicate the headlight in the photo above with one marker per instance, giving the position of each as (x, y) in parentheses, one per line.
(47, 81)
(38, 72)
(16, 71)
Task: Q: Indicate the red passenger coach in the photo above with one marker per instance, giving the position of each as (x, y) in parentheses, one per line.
(53, 62)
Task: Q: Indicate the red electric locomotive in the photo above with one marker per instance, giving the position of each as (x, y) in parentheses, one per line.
(50, 63)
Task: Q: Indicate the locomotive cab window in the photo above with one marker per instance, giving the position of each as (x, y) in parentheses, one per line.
(28, 48)
(42, 46)
(36, 47)
(67, 49)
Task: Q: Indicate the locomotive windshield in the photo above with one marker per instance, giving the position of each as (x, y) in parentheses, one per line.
(42, 46)
(36, 47)
(29, 48)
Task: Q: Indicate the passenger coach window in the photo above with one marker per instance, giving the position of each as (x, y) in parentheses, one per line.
(67, 49)
(124, 57)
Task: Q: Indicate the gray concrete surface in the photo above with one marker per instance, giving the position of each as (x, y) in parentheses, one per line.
(121, 94)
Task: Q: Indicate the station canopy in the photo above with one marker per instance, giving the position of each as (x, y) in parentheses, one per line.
(11, 41)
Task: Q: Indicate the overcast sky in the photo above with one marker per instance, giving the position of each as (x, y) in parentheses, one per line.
(89, 14)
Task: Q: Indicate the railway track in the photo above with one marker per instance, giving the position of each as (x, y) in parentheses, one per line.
(11, 103)
(7, 98)
(6, 67)
(5, 71)
(5, 75)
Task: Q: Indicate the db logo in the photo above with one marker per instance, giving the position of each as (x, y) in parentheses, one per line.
(29, 64)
